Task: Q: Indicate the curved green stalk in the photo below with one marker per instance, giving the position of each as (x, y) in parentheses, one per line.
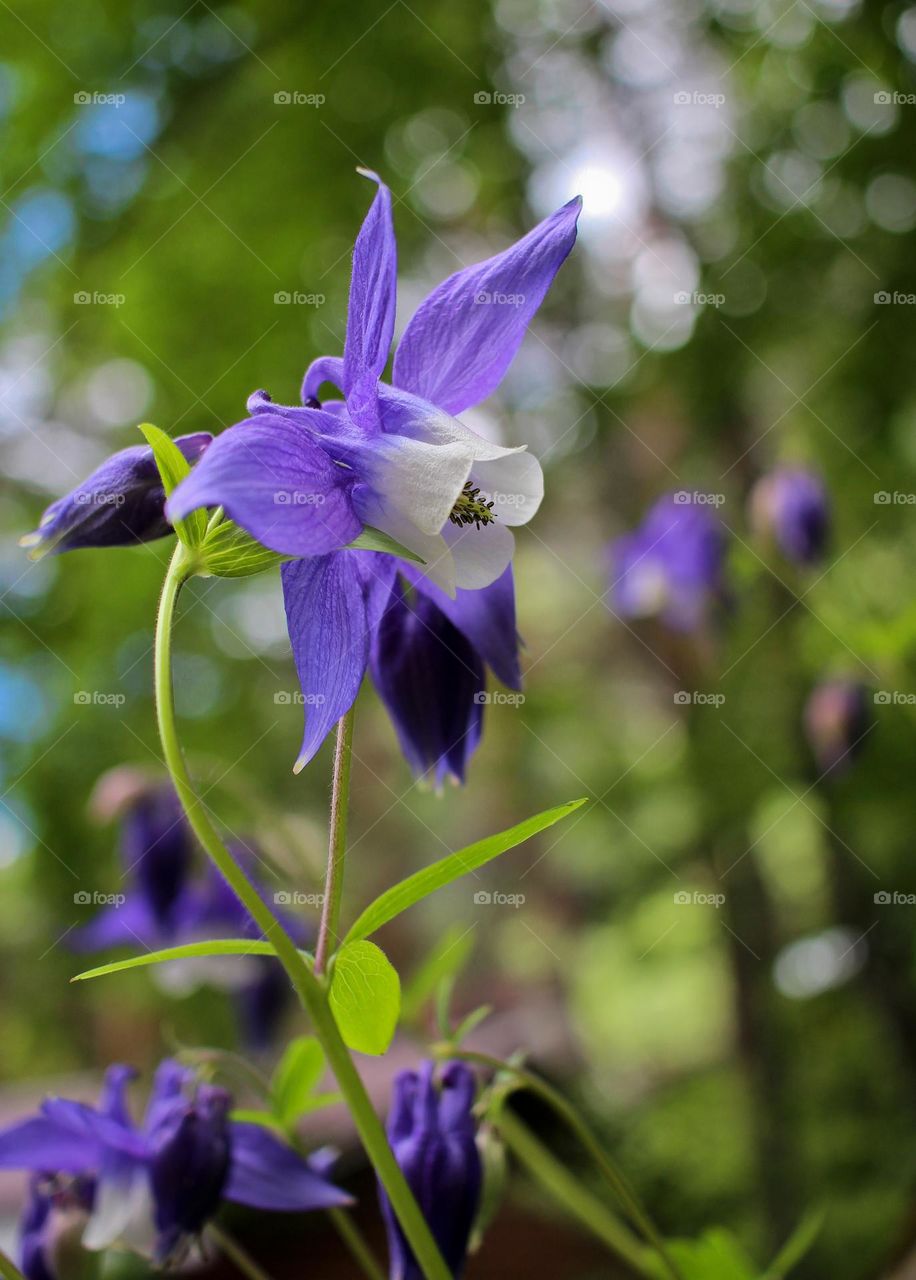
(564, 1108)
(337, 842)
(311, 991)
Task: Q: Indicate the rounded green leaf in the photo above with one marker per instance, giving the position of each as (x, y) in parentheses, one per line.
(365, 997)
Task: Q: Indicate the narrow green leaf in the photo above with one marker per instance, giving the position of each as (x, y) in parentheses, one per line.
(448, 957)
(365, 997)
(295, 1078)
(188, 951)
(8, 1269)
(229, 552)
(173, 467)
(410, 891)
(468, 1024)
(797, 1245)
(374, 540)
(266, 1119)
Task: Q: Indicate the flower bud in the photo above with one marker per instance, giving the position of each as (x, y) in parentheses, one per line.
(791, 506)
(190, 1165)
(836, 718)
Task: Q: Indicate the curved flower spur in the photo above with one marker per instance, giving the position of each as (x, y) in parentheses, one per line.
(304, 481)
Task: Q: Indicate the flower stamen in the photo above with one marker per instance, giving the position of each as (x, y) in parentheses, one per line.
(471, 508)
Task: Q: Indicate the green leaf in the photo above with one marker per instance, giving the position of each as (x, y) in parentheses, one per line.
(229, 552)
(717, 1255)
(8, 1269)
(173, 467)
(469, 1023)
(295, 1078)
(446, 959)
(797, 1245)
(365, 997)
(188, 951)
(266, 1119)
(374, 540)
(410, 891)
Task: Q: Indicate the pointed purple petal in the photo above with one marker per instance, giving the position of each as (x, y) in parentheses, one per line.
(331, 605)
(117, 926)
(274, 480)
(370, 315)
(267, 1174)
(45, 1145)
(485, 617)
(324, 369)
(463, 337)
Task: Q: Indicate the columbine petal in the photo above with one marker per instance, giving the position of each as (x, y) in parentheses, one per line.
(132, 922)
(42, 1144)
(481, 555)
(515, 486)
(123, 1208)
(274, 480)
(432, 549)
(324, 369)
(404, 414)
(265, 1173)
(431, 680)
(420, 480)
(462, 338)
(330, 605)
(485, 617)
(370, 315)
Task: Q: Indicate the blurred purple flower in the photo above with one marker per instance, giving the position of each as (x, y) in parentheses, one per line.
(791, 505)
(305, 480)
(433, 1135)
(837, 716)
(158, 1183)
(120, 504)
(51, 1225)
(672, 566)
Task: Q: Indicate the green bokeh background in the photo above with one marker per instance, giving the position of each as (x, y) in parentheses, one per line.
(739, 1079)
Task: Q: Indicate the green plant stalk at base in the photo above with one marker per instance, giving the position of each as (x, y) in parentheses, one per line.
(337, 843)
(311, 991)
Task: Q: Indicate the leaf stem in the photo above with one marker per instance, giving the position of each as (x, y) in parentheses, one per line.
(310, 989)
(351, 1235)
(337, 842)
(229, 1246)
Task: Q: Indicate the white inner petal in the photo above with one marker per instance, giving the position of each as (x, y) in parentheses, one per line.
(406, 415)
(438, 564)
(515, 486)
(419, 479)
(480, 555)
(123, 1210)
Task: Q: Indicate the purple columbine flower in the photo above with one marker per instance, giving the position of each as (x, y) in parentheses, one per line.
(305, 480)
(156, 1184)
(837, 716)
(791, 505)
(51, 1225)
(433, 1135)
(671, 566)
(120, 504)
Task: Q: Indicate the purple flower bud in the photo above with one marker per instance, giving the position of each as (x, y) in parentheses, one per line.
(262, 1003)
(120, 504)
(791, 505)
(432, 681)
(157, 851)
(671, 566)
(51, 1227)
(190, 1164)
(836, 718)
(433, 1135)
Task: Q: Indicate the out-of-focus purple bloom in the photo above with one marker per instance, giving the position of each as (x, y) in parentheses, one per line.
(791, 505)
(672, 566)
(837, 717)
(51, 1225)
(120, 504)
(168, 903)
(305, 480)
(157, 1183)
(432, 1132)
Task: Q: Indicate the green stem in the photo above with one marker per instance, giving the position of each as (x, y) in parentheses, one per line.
(310, 989)
(350, 1233)
(568, 1191)
(337, 842)
(235, 1253)
(612, 1175)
